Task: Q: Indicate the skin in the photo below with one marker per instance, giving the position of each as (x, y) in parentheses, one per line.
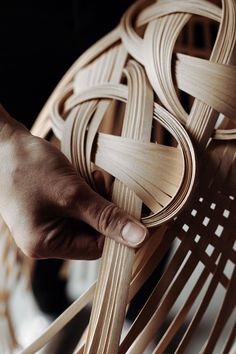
(49, 209)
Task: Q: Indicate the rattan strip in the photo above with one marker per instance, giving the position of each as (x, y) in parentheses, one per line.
(202, 118)
(200, 7)
(146, 260)
(212, 83)
(230, 341)
(160, 293)
(12, 268)
(78, 305)
(136, 125)
(42, 125)
(228, 242)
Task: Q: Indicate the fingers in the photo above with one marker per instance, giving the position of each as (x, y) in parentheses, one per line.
(76, 240)
(70, 239)
(107, 218)
(80, 246)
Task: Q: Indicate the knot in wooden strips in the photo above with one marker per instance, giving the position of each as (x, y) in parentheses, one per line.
(84, 103)
(161, 176)
(211, 81)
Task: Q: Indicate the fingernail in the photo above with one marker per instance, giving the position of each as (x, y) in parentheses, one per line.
(133, 233)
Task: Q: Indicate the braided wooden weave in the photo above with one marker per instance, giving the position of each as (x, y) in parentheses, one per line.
(108, 112)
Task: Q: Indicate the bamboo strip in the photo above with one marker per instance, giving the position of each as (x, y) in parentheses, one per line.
(117, 309)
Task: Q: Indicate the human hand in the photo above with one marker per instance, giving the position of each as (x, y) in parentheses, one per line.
(49, 209)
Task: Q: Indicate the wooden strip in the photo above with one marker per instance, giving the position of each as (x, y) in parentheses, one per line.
(203, 306)
(230, 341)
(42, 125)
(227, 307)
(180, 317)
(98, 335)
(202, 118)
(210, 82)
(60, 322)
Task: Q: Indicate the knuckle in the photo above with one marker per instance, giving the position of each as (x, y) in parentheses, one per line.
(68, 198)
(110, 219)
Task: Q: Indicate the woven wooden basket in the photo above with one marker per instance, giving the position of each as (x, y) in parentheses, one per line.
(120, 109)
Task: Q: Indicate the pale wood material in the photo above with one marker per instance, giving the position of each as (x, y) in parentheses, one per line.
(13, 266)
(188, 188)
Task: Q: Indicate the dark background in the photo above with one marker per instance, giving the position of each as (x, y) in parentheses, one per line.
(40, 40)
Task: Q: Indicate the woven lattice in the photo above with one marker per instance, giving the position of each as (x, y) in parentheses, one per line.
(108, 112)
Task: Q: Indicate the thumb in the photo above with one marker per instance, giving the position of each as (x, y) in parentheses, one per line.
(108, 219)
